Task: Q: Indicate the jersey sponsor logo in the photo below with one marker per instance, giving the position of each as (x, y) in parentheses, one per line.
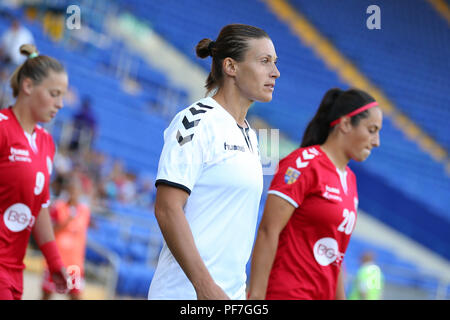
(233, 147)
(331, 193)
(326, 252)
(19, 155)
(291, 175)
(190, 120)
(17, 217)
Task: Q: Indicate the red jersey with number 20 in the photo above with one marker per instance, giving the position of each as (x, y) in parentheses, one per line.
(25, 168)
(312, 245)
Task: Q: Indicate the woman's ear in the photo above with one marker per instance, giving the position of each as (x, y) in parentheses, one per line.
(345, 125)
(229, 66)
(27, 86)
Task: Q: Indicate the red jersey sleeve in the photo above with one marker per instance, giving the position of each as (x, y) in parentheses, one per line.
(54, 213)
(49, 155)
(2, 133)
(292, 181)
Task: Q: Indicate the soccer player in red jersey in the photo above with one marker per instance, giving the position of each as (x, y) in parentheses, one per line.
(71, 219)
(311, 206)
(26, 158)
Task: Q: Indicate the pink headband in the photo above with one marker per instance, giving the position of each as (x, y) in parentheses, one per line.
(355, 112)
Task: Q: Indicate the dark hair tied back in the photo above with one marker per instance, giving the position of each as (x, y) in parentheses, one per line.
(335, 104)
(232, 42)
(210, 48)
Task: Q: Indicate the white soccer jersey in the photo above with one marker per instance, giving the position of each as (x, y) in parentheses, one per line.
(217, 162)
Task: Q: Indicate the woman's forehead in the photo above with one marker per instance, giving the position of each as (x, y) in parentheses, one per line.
(261, 47)
(56, 79)
(375, 116)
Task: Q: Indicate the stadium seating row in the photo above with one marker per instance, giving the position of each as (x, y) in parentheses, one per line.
(407, 58)
(124, 123)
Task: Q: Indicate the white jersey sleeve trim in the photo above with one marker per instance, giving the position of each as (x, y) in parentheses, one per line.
(46, 204)
(285, 197)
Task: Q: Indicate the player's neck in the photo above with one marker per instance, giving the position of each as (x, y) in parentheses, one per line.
(335, 154)
(23, 115)
(72, 201)
(234, 103)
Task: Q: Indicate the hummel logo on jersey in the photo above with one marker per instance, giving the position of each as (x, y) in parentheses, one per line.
(307, 155)
(19, 155)
(233, 147)
(332, 189)
(184, 135)
(331, 193)
(189, 124)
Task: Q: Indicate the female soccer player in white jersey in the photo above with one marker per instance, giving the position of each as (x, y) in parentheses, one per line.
(312, 202)
(26, 157)
(209, 180)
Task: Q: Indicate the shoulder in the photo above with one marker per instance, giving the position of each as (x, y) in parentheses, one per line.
(303, 158)
(46, 137)
(5, 118)
(351, 175)
(84, 210)
(299, 165)
(84, 207)
(5, 125)
(42, 131)
(200, 110)
(44, 134)
(189, 123)
(58, 205)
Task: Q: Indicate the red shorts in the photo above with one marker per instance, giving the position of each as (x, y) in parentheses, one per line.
(75, 283)
(11, 283)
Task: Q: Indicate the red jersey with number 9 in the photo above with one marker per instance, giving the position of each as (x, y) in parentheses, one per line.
(313, 243)
(25, 168)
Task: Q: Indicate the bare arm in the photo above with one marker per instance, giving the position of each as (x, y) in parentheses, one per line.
(43, 229)
(44, 236)
(277, 213)
(177, 233)
(340, 289)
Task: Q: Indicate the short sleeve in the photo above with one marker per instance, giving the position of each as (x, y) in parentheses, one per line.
(50, 155)
(185, 147)
(2, 136)
(46, 200)
(54, 213)
(290, 182)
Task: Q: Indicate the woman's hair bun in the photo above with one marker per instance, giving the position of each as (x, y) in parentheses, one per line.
(28, 49)
(203, 48)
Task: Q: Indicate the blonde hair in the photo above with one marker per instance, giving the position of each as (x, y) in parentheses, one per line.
(36, 67)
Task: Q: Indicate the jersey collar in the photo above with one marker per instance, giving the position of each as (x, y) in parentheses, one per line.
(31, 138)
